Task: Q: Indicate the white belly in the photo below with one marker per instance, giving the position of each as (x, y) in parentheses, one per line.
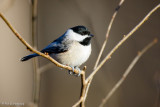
(75, 56)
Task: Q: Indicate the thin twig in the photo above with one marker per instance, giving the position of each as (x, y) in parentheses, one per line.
(83, 77)
(78, 102)
(108, 32)
(83, 87)
(128, 70)
(122, 41)
(83, 82)
(104, 43)
(89, 78)
(85, 91)
(34, 50)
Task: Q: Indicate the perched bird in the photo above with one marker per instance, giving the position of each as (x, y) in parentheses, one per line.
(73, 48)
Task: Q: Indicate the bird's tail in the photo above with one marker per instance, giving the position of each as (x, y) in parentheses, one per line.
(29, 57)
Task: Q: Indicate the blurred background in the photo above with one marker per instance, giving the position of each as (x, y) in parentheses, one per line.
(59, 89)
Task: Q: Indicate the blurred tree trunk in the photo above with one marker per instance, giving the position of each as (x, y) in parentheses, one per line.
(16, 78)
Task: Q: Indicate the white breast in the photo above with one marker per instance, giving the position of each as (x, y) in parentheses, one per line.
(75, 56)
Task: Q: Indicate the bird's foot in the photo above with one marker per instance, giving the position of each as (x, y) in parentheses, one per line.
(79, 71)
(71, 72)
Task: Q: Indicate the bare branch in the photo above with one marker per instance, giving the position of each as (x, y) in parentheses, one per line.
(104, 43)
(128, 70)
(89, 79)
(86, 82)
(122, 41)
(108, 32)
(35, 51)
(78, 102)
(85, 87)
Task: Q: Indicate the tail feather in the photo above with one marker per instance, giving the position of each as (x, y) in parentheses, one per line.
(29, 57)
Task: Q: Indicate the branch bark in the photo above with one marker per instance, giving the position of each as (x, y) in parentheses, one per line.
(28, 46)
(105, 42)
(122, 41)
(128, 70)
(90, 77)
(85, 81)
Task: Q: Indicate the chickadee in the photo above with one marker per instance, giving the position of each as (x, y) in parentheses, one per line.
(73, 48)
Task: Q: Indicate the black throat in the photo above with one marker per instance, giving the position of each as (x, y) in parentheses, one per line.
(86, 41)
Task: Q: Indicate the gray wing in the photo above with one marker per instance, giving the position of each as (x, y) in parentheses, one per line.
(57, 46)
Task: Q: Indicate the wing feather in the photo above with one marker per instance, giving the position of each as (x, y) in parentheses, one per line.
(57, 46)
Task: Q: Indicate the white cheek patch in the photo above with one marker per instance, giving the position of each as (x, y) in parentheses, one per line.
(75, 36)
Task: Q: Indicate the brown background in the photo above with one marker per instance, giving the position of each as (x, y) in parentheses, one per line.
(58, 89)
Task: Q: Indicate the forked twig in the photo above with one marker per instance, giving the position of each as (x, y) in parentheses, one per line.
(122, 41)
(105, 42)
(128, 70)
(85, 82)
(108, 32)
(89, 78)
(83, 87)
(83, 97)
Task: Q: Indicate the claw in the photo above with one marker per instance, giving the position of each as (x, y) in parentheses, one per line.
(79, 73)
(71, 72)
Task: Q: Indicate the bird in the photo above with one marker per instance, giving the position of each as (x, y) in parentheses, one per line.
(73, 48)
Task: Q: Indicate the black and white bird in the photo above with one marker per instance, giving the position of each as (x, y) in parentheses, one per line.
(73, 48)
